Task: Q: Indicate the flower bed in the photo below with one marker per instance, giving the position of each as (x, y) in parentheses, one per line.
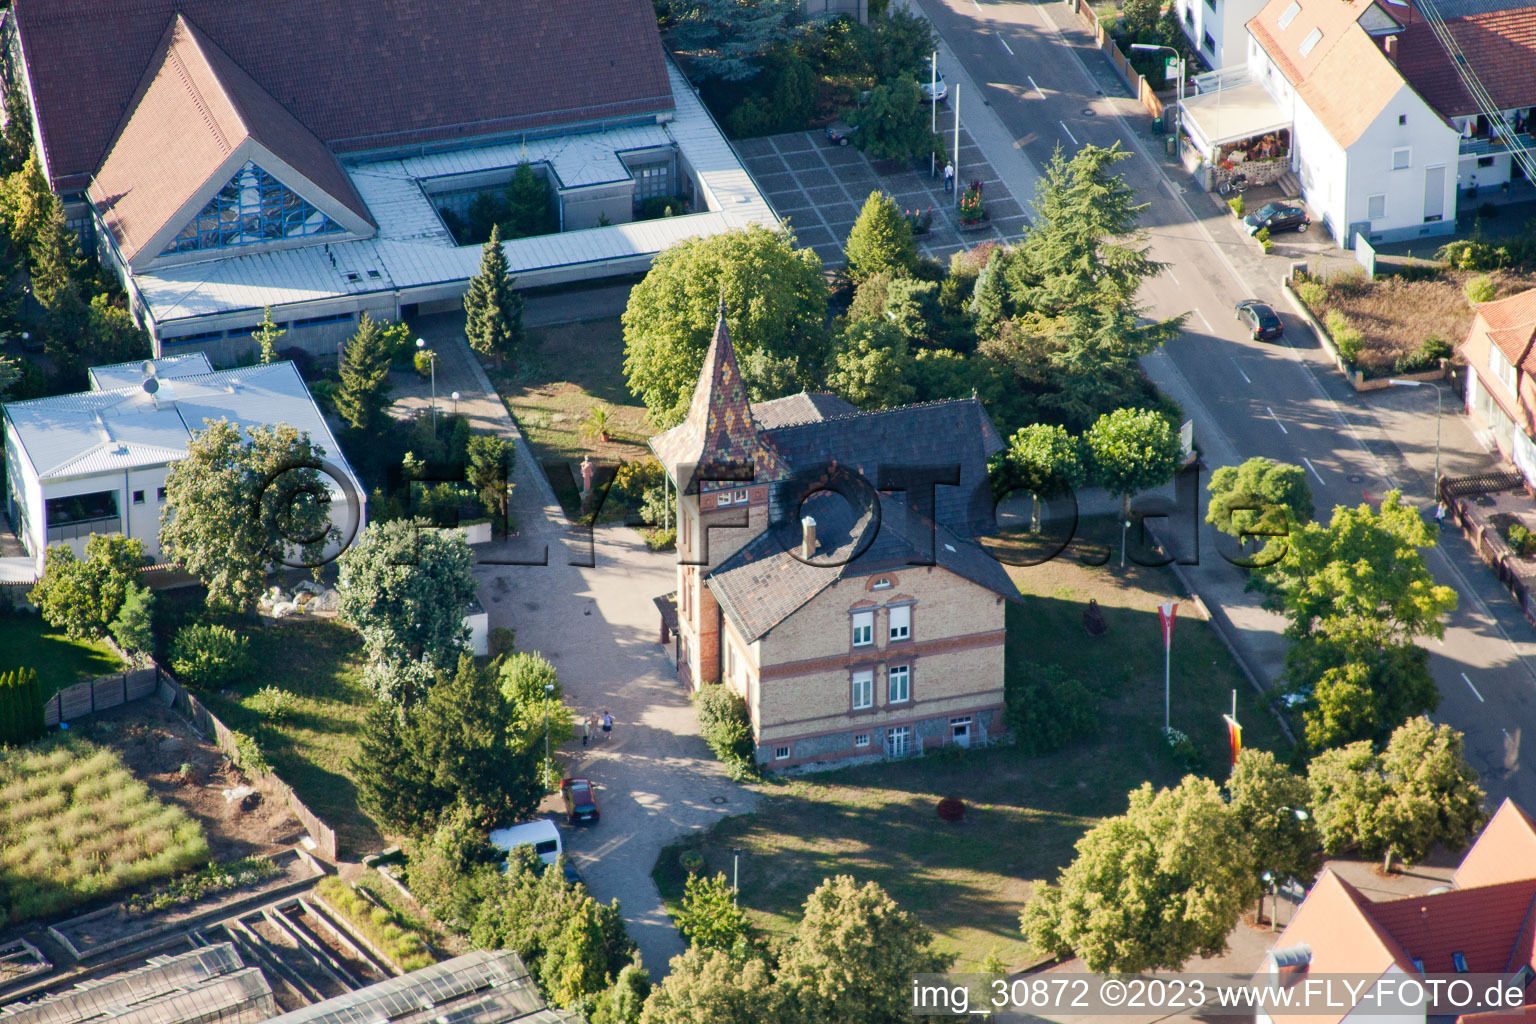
(211, 880)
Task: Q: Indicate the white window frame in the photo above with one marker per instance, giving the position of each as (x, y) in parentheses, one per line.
(781, 753)
(861, 740)
(1286, 17)
(1501, 368)
(1407, 153)
(883, 583)
(899, 626)
(898, 675)
(892, 735)
(722, 499)
(742, 496)
(863, 629)
(1310, 43)
(1376, 206)
(863, 685)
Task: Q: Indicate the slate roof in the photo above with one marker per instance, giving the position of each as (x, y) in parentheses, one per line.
(359, 74)
(1499, 44)
(196, 102)
(126, 428)
(806, 407)
(764, 582)
(719, 436)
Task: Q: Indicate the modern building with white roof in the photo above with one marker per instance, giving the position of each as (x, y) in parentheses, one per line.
(222, 170)
(96, 461)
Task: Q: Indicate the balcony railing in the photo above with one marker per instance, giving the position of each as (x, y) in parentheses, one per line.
(84, 528)
(1493, 147)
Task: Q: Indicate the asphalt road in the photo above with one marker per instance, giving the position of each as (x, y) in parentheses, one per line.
(1249, 398)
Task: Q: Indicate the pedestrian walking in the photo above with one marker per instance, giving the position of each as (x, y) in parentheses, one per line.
(1439, 515)
(607, 725)
(586, 729)
(949, 177)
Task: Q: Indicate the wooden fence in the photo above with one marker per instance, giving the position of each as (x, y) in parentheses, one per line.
(112, 691)
(1154, 103)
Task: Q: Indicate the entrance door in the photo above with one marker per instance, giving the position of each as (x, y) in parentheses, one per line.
(960, 731)
(1434, 193)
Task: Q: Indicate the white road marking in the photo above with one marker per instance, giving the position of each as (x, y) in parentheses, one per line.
(1277, 420)
(1314, 471)
(1069, 132)
(1031, 80)
(1005, 44)
(1473, 689)
(1203, 320)
(1240, 372)
(1169, 271)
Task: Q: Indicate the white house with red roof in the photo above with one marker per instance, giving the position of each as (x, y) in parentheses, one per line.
(1383, 133)
(1500, 350)
(1483, 923)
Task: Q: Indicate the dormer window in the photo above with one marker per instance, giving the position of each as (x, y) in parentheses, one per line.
(1459, 961)
(1289, 14)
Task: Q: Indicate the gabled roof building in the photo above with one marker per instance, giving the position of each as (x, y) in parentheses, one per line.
(1500, 351)
(829, 570)
(312, 157)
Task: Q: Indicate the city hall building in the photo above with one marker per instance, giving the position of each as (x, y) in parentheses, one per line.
(225, 156)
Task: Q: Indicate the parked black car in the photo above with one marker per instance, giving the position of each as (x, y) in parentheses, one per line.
(1277, 217)
(1260, 319)
(840, 133)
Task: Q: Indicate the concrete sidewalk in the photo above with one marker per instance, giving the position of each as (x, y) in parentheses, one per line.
(583, 599)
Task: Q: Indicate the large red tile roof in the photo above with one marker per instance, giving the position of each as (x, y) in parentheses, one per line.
(359, 74)
(1499, 45)
(1483, 924)
(1506, 848)
(1510, 324)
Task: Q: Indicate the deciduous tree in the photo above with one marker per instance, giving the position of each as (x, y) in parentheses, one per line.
(710, 986)
(405, 586)
(1046, 460)
(870, 365)
(1260, 494)
(893, 123)
(493, 309)
(1150, 888)
(1362, 684)
(266, 335)
(1132, 450)
(236, 505)
(84, 597)
(709, 916)
(364, 391)
(880, 239)
(1271, 805)
(775, 303)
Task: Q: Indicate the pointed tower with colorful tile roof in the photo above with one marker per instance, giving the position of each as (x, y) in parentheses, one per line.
(718, 442)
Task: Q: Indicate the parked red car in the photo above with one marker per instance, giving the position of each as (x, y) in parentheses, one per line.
(580, 801)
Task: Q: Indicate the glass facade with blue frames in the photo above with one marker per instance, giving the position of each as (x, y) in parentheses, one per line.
(254, 207)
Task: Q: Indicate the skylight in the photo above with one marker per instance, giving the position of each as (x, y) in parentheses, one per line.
(1290, 15)
(1313, 38)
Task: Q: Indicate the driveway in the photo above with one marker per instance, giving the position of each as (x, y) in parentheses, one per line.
(656, 779)
(820, 188)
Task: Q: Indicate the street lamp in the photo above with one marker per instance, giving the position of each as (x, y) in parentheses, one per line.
(421, 346)
(455, 397)
(549, 689)
(1273, 880)
(1178, 110)
(1435, 487)
(735, 873)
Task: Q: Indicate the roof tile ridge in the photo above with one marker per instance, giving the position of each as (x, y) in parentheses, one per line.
(856, 413)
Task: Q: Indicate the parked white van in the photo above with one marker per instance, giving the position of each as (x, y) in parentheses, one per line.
(542, 835)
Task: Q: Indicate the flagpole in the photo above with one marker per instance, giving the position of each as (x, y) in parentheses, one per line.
(1167, 674)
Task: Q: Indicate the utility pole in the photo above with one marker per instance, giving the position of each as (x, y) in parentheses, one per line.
(933, 105)
(957, 144)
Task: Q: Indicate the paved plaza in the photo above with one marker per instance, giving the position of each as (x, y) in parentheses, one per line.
(819, 189)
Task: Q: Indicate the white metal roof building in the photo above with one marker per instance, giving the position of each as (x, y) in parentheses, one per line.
(412, 263)
(96, 461)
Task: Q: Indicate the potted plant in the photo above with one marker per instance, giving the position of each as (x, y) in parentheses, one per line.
(920, 220)
(972, 213)
(596, 423)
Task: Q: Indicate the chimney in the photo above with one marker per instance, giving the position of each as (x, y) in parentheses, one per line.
(1391, 47)
(807, 538)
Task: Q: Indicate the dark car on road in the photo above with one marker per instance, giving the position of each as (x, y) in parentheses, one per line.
(1277, 217)
(1260, 319)
(580, 800)
(840, 133)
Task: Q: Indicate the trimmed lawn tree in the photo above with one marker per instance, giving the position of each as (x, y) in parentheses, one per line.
(711, 986)
(364, 391)
(881, 239)
(1129, 451)
(83, 598)
(234, 507)
(893, 123)
(1046, 461)
(1151, 888)
(493, 309)
(775, 307)
(1418, 792)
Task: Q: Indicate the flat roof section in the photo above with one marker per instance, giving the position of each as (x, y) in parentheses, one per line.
(1229, 115)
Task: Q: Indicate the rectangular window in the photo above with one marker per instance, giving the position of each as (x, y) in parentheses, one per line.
(187, 339)
(901, 622)
(898, 740)
(316, 321)
(1499, 365)
(1402, 158)
(721, 500)
(863, 690)
(1376, 207)
(1208, 43)
(899, 684)
(1289, 15)
(138, 497)
(741, 497)
(1313, 38)
(1402, 118)
(861, 740)
(863, 629)
(159, 493)
(781, 753)
(730, 662)
(1459, 961)
(1485, 161)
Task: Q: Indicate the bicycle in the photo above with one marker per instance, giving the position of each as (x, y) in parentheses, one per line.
(1237, 183)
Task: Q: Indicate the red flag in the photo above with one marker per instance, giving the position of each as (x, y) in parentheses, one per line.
(1165, 614)
(1234, 737)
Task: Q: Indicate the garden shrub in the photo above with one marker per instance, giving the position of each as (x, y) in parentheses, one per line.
(1346, 337)
(1236, 202)
(423, 361)
(1262, 237)
(725, 724)
(1479, 289)
(274, 703)
(1426, 357)
(1521, 539)
(209, 656)
(659, 539)
(1048, 710)
(248, 756)
(1470, 254)
(632, 480)
(21, 707)
(1313, 294)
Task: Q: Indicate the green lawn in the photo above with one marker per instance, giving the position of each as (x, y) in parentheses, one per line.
(27, 641)
(969, 881)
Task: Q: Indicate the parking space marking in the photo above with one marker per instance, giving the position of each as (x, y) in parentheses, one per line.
(1069, 132)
